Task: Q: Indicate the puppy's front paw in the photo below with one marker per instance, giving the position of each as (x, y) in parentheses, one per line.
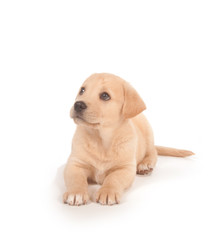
(107, 196)
(75, 199)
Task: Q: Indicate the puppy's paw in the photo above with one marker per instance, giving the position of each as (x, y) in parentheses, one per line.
(144, 168)
(75, 199)
(107, 196)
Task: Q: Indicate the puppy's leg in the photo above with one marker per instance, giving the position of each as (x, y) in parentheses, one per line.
(114, 185)
(76, 183)
(148, 163)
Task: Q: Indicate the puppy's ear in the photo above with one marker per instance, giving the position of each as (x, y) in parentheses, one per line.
(133, 104)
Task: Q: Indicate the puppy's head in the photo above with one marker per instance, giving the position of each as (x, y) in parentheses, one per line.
(104, 100)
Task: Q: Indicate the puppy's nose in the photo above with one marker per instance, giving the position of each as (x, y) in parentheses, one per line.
(79, 106)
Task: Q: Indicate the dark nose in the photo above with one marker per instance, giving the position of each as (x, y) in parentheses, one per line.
(79, 106)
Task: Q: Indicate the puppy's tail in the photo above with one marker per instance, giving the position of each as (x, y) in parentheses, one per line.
(166, 151)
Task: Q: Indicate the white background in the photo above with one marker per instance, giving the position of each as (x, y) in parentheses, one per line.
(165, 49)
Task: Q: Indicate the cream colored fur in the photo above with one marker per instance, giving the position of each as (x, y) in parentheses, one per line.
(112, 142)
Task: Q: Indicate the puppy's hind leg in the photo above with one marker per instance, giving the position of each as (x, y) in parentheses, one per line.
(148, 163)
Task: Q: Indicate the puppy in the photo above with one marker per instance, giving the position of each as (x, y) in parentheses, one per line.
(112, 141)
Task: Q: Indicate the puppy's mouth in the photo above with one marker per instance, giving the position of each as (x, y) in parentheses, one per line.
(82, 121)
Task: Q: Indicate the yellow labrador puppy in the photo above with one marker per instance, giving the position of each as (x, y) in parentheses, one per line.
(112, 141)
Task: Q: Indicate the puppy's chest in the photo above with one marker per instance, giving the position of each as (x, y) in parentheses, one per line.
(101, 159)
(99, 153)
(99, 176)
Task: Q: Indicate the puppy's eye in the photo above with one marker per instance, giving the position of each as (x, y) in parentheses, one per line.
(82, 90)
(104, 96)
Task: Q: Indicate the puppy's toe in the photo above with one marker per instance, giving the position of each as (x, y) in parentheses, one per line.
(144, 169)
(75, 199)
(107, 197)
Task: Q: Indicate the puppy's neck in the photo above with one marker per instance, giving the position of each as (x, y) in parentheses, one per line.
(107, 133)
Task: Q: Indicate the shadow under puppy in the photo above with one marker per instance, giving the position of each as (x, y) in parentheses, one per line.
(112, 141)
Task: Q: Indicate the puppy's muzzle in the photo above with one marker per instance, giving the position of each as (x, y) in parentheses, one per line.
(79, 106)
